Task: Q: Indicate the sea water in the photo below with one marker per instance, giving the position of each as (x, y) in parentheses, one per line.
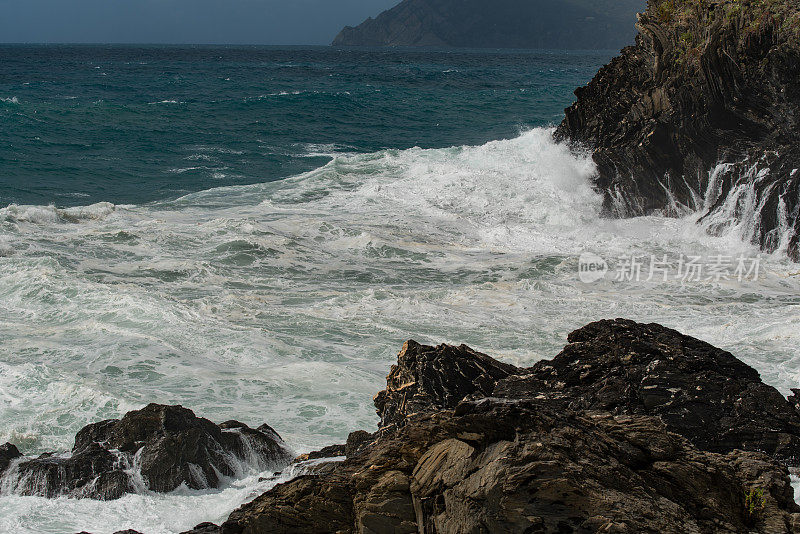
(254, 232)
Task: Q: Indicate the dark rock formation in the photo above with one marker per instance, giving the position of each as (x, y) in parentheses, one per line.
(204, 528)
(700, 392)
(708, 81)
(8, 452)
(157, 448)
(602, 24)
(502, 466)
(92, 472)
(358, 441)
(428, 378)
(592, 441)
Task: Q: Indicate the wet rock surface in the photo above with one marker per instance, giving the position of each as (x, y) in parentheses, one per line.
(706, 82)
(157, 448)
(606, 437)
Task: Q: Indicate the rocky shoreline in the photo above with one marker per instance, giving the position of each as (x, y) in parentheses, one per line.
(631, 428)
(701, 115)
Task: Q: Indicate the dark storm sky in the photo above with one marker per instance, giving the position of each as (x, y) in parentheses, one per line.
(182, 21)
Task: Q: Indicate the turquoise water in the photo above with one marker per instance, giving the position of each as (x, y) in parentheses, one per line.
(261, 248)
(130, 125)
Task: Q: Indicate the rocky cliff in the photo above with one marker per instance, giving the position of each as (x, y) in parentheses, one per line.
(631, 428)
(499, 24)
(702, 115)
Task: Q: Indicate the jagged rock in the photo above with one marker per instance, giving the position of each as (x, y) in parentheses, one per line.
(582, 443)
(428, 378)
(707, 82)
(701, 392)
(631, 428)
(161, 447)
(8, 452)
(357, 441)
(91, 472)
(577, 444)
(501, 24)
(520, 466)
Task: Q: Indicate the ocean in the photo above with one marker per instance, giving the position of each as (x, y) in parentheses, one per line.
(253, 232)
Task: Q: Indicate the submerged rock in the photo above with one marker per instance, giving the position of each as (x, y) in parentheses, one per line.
(606, 437)
(158, 448)
(706, 83)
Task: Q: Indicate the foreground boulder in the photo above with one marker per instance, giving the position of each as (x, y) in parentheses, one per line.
(707, 82)
(157, 448)
(607, 437)
(520, 466)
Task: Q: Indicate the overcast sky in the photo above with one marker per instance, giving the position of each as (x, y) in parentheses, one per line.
(182, 21)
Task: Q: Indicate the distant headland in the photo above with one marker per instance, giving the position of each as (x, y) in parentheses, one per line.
(562, 24)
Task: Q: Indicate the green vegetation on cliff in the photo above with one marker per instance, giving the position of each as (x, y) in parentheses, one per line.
(696, 24)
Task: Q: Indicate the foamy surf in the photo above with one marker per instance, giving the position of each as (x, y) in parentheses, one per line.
(286, 302)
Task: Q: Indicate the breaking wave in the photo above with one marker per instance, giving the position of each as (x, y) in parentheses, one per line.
(285, 302)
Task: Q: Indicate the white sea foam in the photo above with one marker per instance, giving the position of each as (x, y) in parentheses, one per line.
(10, 100)
(51, 214)
(272, 95)
(286, 302)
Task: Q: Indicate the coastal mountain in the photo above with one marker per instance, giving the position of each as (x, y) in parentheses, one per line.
(702, 115)
(563, 24)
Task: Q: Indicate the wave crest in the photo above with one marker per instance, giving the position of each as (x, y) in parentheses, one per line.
(50, 214)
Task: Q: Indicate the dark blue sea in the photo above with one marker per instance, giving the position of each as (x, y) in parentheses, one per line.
(124, 124)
